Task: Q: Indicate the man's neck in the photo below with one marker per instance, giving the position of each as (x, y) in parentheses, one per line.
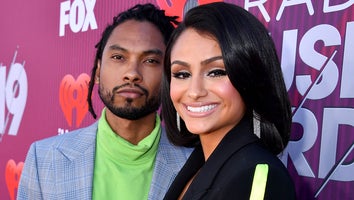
(131, 130)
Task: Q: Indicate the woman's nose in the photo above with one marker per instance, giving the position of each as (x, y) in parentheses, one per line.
(197, 88)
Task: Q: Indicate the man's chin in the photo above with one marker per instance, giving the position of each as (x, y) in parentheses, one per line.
(132, 113)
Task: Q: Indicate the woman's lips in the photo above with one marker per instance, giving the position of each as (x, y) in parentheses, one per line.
(201, 109)
(194, 110)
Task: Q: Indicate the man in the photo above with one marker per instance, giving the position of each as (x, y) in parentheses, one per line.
(125, 155)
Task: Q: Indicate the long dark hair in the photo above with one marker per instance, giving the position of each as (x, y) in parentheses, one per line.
(146, 12)
(252, 65)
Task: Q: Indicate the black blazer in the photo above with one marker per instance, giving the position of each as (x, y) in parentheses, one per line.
(228, 173)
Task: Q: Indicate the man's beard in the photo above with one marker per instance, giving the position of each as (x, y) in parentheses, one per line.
(128, 111)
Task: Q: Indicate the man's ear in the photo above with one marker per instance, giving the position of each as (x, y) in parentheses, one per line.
(97, 73)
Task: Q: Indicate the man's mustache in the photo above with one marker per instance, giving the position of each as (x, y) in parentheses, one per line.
(129, 85)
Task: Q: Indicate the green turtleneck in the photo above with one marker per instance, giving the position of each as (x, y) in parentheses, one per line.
(123, 170)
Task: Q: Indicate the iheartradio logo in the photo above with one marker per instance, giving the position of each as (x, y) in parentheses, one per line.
(178, 7)
(12, 176)
(72, 95)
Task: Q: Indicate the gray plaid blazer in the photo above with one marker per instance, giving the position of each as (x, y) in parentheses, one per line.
(61, 167)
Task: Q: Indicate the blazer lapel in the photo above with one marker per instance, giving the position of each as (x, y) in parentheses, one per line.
(169, 160)
(191, 167)
(238, 137)
(75, 159)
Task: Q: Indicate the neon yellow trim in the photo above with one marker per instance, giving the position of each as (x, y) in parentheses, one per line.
(259, 182)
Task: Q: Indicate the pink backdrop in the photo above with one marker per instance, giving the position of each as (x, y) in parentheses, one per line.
(47, 51)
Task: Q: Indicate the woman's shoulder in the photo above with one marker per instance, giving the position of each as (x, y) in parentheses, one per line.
(240, 171)
(242, 164)
(253, 154)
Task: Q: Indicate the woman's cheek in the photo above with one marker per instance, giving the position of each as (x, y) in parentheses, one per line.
(176, 90)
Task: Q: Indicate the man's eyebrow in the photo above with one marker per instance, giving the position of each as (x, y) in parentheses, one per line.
(117, 47)
(147, 52)
(153, 51)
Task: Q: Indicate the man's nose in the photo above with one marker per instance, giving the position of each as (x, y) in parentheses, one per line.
(132, 74)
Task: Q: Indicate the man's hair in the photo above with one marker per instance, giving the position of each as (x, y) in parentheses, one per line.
(251, 64)
(142, 13)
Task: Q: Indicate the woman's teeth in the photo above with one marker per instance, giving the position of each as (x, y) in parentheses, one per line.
(201, 108)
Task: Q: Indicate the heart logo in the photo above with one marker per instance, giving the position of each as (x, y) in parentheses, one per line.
(176, 7)
(12, 176)
(173, 8)
(72, 95)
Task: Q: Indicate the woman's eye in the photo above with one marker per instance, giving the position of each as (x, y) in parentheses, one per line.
(181, 75)
(217, 73)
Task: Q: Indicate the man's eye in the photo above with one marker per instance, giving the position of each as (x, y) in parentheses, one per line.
(117, 57)
(217, 73)
(153, 61)
(181, 75)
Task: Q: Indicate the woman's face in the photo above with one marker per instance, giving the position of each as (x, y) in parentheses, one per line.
(200, 88)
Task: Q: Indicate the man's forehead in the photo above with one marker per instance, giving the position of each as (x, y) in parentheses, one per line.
(138, 30)
(141, 36)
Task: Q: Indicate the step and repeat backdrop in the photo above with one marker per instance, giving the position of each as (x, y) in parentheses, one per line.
(47, 53)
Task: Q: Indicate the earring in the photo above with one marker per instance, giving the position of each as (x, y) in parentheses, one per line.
(256, 124)
(178, 122)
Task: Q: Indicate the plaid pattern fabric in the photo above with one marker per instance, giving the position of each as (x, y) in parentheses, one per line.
(61, 167)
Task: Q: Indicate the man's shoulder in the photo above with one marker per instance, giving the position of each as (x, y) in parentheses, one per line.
(167, 147)
(82, 134)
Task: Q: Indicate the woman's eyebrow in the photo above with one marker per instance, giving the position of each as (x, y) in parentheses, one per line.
(204, 62)
(209, 60)
(178, 62)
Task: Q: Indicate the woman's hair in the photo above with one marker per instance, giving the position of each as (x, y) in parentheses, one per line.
(140, 12)
(252, 65)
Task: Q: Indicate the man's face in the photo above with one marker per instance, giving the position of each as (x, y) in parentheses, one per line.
(130, 71)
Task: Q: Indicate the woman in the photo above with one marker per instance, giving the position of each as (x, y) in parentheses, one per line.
(223, 78)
